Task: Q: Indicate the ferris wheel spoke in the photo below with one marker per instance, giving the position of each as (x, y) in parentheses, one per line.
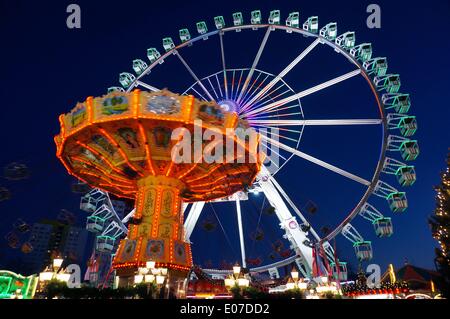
(280, 76)
(263, 129)
(255, 63)
(306, 92)
(268, 98)
(222, 50)
(270, 128)
(194, 76)
(201, 96)
(219, 86)
(316, 161)
(282, 109)
(272, 133)
(316, 122)
(147, 86)
(239, 82)
(270, 158)
(273, 162)
(249, 95)
(279, 115)
(251, 87)
(232, 84)
(214, 90)
(272, 150)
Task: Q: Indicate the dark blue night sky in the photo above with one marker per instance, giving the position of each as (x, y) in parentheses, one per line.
(47, 68)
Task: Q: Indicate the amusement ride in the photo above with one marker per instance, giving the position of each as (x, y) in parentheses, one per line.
(121, 144)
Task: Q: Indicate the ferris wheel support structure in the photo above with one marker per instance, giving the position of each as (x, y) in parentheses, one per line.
(241, 231)
(192, 218)
(288, 222)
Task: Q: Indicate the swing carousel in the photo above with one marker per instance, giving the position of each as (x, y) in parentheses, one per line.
(123, 143)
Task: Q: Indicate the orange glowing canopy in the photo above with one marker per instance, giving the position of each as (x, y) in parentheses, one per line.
(112, 142)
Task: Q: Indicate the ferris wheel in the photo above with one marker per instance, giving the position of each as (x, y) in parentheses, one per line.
(274, 109)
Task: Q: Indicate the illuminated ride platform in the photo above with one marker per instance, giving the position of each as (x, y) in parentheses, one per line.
(162, 150)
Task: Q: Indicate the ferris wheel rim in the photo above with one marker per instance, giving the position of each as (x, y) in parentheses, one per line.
(373, 187)
(322, 40)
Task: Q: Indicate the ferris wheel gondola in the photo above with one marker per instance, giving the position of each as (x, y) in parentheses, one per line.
(104, 221)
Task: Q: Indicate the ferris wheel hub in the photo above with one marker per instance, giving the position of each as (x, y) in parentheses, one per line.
(229, 106)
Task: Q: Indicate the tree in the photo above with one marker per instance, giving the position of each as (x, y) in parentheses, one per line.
(440, 227)
(295, 294)
(146, 291)
(254, 293)
(54, 288)
(236, 292)
(330, 295)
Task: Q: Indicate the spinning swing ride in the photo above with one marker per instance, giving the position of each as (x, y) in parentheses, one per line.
(120, 143)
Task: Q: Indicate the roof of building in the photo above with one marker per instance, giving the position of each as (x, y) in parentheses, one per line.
(413, 273)
(417, 278)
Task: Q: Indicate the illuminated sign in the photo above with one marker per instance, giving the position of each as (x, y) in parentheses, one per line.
(16, 286)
